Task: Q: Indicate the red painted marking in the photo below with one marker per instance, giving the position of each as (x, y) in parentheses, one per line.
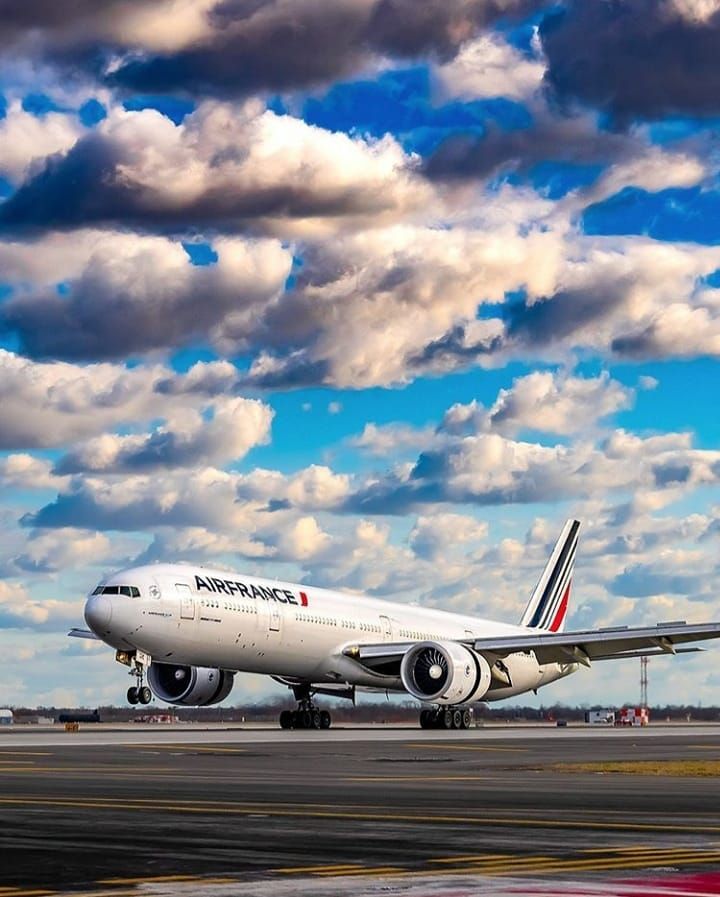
(303, 599)
(562, 610)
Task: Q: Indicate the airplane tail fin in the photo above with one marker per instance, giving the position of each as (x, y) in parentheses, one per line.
(548, 604)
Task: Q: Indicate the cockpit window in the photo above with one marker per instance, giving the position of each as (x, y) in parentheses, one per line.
(128, 591)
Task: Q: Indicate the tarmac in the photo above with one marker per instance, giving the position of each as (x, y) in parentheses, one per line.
(242, 811)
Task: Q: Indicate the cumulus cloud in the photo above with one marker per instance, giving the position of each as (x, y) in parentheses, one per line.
(489, 469)
(599, 53)
(231, 47)
(488, 67)
(224, 167)
(542, 401)
(403, 288)
(25, 138)
(19, 611)
(228, 430)
(440, 535)
(134, 294)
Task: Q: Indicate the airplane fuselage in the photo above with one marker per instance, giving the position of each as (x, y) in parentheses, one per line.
(196, 616)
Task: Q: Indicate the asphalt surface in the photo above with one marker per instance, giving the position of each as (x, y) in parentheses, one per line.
(234, 810)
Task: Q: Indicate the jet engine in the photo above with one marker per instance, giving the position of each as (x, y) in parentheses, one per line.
(191, 686)
(445, 673)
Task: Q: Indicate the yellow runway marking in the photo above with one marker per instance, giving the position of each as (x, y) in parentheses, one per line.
(473, 857)
(378, 870)
(468, 747)
(291, 811)
(290, 870)
(142, 879)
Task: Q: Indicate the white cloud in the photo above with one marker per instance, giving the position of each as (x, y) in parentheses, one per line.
(25, 138)
(489, 67)
(543, 401)
(228, 430)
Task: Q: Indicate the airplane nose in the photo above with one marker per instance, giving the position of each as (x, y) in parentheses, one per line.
(98, 613)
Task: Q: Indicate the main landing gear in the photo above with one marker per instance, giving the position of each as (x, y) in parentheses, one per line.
(138, 693)
(307, 715)
(446, 718)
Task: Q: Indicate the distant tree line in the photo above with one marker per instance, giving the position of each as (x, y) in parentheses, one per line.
(370, 712)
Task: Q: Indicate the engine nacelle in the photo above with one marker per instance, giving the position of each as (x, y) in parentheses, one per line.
(191, 686)
(445, 673)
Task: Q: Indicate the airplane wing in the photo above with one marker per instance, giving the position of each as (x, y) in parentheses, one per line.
(582, 646)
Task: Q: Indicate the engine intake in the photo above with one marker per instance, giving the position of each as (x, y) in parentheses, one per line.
(190, 686)
(445, 673)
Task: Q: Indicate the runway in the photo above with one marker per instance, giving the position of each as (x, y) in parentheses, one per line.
(255, 812)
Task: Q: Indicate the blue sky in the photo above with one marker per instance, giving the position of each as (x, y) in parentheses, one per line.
(372, 300)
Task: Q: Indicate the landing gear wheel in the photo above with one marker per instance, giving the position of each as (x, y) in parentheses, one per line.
(144, 695)
(425, 719)
(315, 719)
(457, 719)
(307, 719)
(325, 719)
(447, 719)
(296, 720)
(286, 719)
(132, 695)
(466, 719)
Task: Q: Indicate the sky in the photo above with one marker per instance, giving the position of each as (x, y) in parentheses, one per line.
(371, 295)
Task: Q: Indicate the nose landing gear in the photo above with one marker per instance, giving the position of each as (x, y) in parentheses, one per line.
(139, 693)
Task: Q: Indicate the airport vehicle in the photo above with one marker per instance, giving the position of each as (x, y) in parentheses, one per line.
(188, 630)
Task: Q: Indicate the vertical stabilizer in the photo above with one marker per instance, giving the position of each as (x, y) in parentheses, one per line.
(548, 604)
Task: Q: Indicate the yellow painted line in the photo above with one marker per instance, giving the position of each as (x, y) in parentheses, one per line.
(473, 856)
(284, 810)
(377, 870)
(466, 747)
(291, 870)
(37, 892)
(147, 879)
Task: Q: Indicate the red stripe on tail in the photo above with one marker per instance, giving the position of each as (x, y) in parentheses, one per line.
(562, 610)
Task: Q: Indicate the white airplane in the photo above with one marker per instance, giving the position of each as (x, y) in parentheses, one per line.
(191, 629)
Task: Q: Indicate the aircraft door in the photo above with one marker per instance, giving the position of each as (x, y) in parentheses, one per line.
(187, 602)
(387, 628)
(274, 623)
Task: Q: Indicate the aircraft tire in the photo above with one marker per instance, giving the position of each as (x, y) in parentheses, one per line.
(457, 719)
(466, 719)
(447, 719)
(286, 719)
(316, 719)
(424, 719)
(145, 695)
(307, 719)
(325, 719)
(132, 695)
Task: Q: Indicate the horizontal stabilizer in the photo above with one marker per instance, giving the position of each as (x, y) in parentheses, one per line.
(83, 633)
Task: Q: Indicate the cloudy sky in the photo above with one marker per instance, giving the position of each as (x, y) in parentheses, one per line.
(370, 294)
